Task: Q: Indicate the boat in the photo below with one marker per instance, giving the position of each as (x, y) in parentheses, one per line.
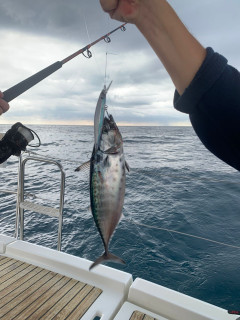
(37, 282)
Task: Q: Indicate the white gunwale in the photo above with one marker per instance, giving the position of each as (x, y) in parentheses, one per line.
(121, 296)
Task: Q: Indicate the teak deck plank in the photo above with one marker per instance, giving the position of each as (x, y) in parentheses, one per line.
(3, 260)
(31, 292)
(137, 315)
(23, 300)
(9, 270)
(12, 277)
(18, 288)
(85, 303)
(55, 302)
(39, 298)
(73, 302)
(5, 264)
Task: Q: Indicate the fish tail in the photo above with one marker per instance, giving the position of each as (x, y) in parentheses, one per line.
(107, 256)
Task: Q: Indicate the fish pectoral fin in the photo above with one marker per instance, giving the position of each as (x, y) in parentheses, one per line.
(127, 166)
(107, 256)
(84, 167)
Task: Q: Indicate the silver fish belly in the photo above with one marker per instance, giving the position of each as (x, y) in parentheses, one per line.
(107, 185)
(107, 176)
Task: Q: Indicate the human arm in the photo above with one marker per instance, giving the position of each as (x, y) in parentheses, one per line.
(4, 106)
(208, 89)
(180, 53)
(212, 101)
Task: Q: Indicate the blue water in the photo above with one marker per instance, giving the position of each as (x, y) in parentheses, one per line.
(174, 183)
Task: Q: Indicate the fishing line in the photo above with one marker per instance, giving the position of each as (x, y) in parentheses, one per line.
(89, 39)
(28, 83)
(79, 74)
(105, 76)
(182, 233)
(178, 177)
(170, 231)
(106, 52)
(194, 178)
(86, 27)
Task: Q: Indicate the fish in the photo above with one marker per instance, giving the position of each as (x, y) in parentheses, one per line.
(107, 177)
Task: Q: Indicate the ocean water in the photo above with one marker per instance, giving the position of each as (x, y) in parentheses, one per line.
(174, 184)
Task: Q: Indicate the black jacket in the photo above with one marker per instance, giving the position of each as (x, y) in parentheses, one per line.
(212, 101)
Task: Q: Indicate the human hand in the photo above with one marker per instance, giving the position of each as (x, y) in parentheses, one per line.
(122, 10)
(4, 106)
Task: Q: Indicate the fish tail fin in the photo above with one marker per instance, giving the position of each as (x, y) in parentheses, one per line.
(107, 256)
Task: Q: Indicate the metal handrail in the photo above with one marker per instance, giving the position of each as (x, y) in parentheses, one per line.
(20, 195)
(8, 191)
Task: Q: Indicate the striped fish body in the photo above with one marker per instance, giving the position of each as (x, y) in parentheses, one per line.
(107, 184)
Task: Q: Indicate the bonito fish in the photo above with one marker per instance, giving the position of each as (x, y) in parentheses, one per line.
(107, 177)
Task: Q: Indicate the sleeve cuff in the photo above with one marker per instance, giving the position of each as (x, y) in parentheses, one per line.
(211, 69)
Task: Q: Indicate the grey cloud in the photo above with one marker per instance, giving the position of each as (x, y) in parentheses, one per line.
(64, 19)
(76, 20)
(140, 81)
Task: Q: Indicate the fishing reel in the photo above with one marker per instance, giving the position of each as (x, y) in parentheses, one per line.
(15, 141)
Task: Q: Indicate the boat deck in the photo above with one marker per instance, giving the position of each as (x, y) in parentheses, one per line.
(41, 283)
(137, 315)
(30, 292)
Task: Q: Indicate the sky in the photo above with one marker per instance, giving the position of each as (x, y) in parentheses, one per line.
(35, 34)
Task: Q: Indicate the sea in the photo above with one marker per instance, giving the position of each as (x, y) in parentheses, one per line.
(181, 216)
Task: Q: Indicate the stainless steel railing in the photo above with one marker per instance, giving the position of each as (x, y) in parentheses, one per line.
(23, 205)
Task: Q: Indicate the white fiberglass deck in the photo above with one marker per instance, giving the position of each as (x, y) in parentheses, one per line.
(41, 283)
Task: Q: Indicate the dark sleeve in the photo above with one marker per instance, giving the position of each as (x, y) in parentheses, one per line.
(212, 101)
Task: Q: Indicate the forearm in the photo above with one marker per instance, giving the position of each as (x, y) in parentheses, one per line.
(180, 53)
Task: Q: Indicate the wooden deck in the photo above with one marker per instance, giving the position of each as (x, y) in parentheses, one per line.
(30, 292)
(137, 315)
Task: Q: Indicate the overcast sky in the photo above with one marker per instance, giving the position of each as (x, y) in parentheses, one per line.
(35, 34)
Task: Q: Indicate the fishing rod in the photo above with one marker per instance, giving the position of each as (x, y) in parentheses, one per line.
(26, 84)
